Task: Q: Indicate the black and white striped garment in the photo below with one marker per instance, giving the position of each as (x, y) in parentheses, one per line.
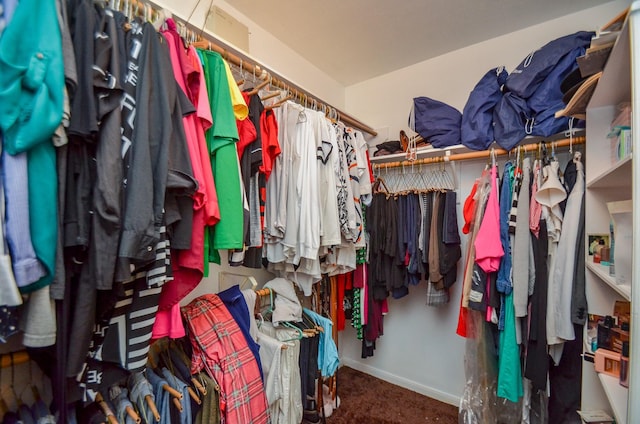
(128, 337)
(124, 337)
(513, 214)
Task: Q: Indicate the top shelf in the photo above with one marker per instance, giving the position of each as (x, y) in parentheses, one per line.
(614, 86)
(430, 151)
(422, 152)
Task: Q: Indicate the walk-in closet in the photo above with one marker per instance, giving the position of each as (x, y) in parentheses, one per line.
(298, 212)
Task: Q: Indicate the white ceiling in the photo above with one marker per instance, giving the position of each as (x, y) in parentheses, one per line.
(354, 40)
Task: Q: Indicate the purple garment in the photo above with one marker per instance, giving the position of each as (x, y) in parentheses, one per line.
(27, 268)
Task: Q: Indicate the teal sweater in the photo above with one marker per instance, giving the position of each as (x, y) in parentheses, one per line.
(31, 104)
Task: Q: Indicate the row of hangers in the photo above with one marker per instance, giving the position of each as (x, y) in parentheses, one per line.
(544, 152)
(262, 80)
(413, 179)
(267, 89)
(264, 83)
(17, 399)
(162, 354)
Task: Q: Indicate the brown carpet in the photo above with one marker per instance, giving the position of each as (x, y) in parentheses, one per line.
(366, 399)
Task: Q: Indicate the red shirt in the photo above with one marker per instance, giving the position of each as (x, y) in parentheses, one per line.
(270, 145)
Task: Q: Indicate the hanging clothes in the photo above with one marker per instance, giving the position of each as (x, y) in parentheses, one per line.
(293, 252)
(288, 409)
(219, 347)
(489, 251)
(32, 77)
(509, 369)
(559, 320)
(537, 360)
(237, 307)
(221, 139)
(188, 263)
(504, 284)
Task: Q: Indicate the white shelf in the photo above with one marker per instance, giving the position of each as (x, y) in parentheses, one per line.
(614, 177)
(617, 395)
(422, 152)
(614, 85)
(602, 272)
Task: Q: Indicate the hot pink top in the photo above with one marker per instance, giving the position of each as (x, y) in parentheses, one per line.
(487, 243)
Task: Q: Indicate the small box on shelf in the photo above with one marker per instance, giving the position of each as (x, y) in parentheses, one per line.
(607, 362)
(595, 417)
(621, 142)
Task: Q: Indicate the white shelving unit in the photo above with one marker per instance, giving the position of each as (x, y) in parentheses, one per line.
(617, 395)
(607, 181)
(602, 272)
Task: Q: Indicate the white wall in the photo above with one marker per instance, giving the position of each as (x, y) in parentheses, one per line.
(420, 349)
(268, 50)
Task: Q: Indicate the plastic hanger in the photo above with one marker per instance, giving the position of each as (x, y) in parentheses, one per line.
(251, 280)
(269, 309)
(293, 327)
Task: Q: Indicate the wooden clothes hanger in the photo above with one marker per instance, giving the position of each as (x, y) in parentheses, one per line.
(259, 87)
(111, 417)
(380, 186)
(166, 356)
(271, 96)
(280, 102)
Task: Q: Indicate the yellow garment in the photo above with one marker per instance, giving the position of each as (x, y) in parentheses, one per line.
(240, 109)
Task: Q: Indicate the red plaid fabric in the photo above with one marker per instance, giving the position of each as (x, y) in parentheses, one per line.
(221, 349)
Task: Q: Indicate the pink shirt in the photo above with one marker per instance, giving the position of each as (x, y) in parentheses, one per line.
(188, 266)
(535, 208)
(487, 243)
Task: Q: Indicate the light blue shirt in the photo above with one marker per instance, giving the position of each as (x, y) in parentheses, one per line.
(328, 359)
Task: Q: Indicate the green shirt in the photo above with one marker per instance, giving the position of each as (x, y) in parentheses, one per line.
(221, 141)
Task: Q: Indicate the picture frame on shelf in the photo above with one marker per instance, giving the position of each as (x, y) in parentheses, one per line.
(597, 241)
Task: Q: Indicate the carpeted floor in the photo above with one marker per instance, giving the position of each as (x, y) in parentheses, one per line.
(366, 399)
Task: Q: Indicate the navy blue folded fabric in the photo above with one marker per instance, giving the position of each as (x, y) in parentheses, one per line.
(547, 99)
(436, 122)
(476, 130)
(511, 116)
(533, 70)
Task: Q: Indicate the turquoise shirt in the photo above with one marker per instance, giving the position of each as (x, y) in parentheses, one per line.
(31, 105)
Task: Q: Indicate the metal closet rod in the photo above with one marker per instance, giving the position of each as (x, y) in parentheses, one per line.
(531, 147)
(206, 40)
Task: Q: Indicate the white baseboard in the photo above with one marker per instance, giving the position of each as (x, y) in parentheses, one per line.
(402, 382)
